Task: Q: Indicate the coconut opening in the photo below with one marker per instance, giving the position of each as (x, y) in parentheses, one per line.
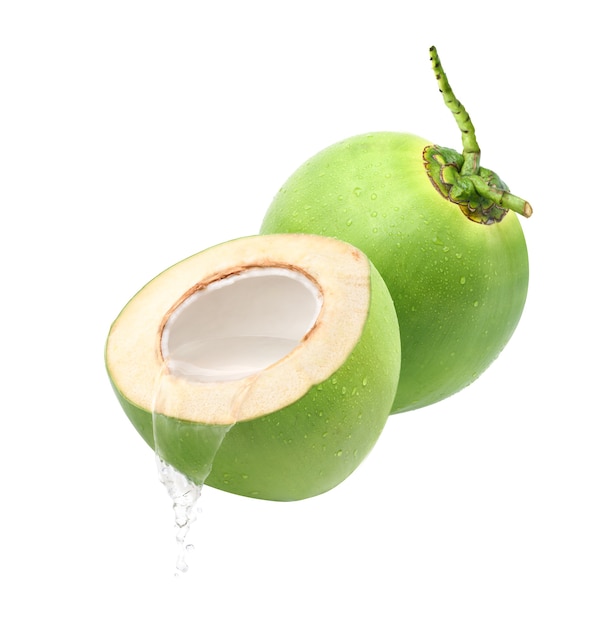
(239, 325)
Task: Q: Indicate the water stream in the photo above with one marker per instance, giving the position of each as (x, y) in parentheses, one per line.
(230, 330)
(184, 492)
(185, 495)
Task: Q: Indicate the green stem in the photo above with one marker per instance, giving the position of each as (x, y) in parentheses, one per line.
(501, 197)
(472, 151)
(469, 182)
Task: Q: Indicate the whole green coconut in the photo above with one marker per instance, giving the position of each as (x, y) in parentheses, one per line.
(441, 230)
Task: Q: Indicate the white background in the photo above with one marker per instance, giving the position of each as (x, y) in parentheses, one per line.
(133, 134)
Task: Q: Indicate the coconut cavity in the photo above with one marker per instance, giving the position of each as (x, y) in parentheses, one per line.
(239, 325)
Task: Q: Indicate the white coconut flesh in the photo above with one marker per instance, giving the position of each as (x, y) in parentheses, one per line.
(239, 325)
(242, 329)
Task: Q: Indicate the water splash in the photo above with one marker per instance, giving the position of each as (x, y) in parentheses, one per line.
(185, 495)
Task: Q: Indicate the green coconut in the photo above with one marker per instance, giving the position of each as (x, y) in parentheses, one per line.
(265, 366)
(443, 232)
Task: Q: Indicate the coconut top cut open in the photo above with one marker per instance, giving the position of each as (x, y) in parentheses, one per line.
(242, 329)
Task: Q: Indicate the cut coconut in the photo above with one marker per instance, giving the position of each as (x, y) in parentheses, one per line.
(290, 342)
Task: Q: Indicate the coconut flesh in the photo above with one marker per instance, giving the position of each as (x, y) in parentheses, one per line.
(239, 325)
(288, 343)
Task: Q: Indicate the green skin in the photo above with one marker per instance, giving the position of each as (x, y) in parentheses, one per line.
(304, 449)
(458, 286)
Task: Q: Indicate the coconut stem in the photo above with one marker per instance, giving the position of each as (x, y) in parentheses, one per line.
(470, 167)
(472, 151)
(502, 197)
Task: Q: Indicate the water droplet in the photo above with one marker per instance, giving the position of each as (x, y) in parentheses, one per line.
(462, 280)
(365, 381)
(374, 214)
(357, 191)
(373, 196)
(476, 303)
(339, 453)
